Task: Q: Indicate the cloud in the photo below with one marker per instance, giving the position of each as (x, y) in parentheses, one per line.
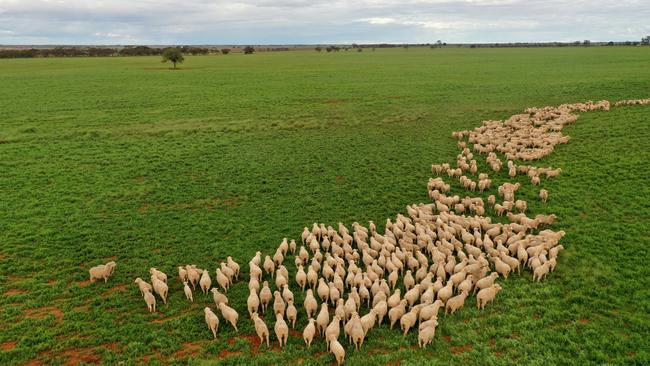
(318, 21)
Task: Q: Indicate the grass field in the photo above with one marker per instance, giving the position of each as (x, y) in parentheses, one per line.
(123, 159)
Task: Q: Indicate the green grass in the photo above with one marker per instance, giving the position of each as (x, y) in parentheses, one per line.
(123, 158)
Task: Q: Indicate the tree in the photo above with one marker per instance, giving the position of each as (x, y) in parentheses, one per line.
(225, 51)
(174, 55)
(645, 40)
(249, 50)
(318, 49)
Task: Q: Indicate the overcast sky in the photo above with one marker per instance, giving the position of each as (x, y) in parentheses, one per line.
(318, 21)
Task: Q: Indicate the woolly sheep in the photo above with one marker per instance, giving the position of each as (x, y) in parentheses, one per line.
(188, 291)
(102, 271)
(212, 321)
(456, 302)
(338, 351)
(265, 296)
(309, 332)
(426, 332)
(158, 274)
(205, 282)
(253, 302)
(281, 330)
(487, 295)
(261, 329)
(143, 286)
(218, 297)
(229, 314)
(292, 314)
(160, 288)
(150, 300)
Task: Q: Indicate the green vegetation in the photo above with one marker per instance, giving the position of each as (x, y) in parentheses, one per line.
(173, 55)
(120, 158)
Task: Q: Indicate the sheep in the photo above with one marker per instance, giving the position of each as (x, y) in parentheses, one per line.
(301, 278)
(253, 302)
(368, 321)
(426, 332)
(193, 275)
(158, 274)
(323, 318)
(540, 272)
(233, 265)
(205, 282)
(333, 330)
(408, 320)
(338, 351)
(188, 291)
(281, 330)
(160, 288)
(212, 321)
(261, 329)
(485, 282)
(182, 274)
(287, 295)
(102, 271)
(310, 304)
(397, 312)
(265, 296)
(292, 314)
(229, 314)
(143, 286)
(543, 195)
(446, 292)
(456, 302)
(357, 333)
(309, 332)
(150, 300)
(278, 303)
(487, 295)
(218, 297)
(222, 280)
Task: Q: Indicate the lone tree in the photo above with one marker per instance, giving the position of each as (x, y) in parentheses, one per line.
(249, 50)
(173, 55)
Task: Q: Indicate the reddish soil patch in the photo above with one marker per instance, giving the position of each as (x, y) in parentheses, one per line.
(111, 258)
(14, 292)
(83, 283)
(254, 342)
(230, 202)
(118, 288)
(340, 179)
(41, 313)
(164, 319)
(2, 256)
(190, 349)
(583, 321)
(225, 353)
(7, 346)
(33, 363)
(295, 333)
(446, 338)
(75, 356)
(112, 347)
(51, 282)
(459, 350)
(15, 278)
(156, 355)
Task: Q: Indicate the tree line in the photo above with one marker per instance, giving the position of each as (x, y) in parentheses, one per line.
(103, 51)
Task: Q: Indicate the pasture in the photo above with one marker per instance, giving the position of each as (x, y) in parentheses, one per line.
(123, 159)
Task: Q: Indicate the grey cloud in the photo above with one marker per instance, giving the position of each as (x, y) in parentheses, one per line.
(318, 21)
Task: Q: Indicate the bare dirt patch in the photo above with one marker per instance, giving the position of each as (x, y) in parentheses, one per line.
(118, 288)
(190, 349)
(41, 313)
(15, 291)
(446, 338)
(8, 346)
(459, 350)
(83, 283)
(112, 347)
(225, 353)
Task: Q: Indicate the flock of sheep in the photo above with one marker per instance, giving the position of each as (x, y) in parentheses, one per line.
(440, 253)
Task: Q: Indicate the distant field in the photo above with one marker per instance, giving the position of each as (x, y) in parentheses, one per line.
(122, 158)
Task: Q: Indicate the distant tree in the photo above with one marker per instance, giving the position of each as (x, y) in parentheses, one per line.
(645, 40)
(359, 49)
(248, 50)
(225, 51)
(318, 49)
(173, 55)
(586, 42)
(610, 43)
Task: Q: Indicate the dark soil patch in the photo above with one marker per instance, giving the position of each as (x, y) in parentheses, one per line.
(446, 338)
(8, 346)
(15, 291)
(225, 353)
(118, 288)
(41, 313)
(190, 349)
(459, 350)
